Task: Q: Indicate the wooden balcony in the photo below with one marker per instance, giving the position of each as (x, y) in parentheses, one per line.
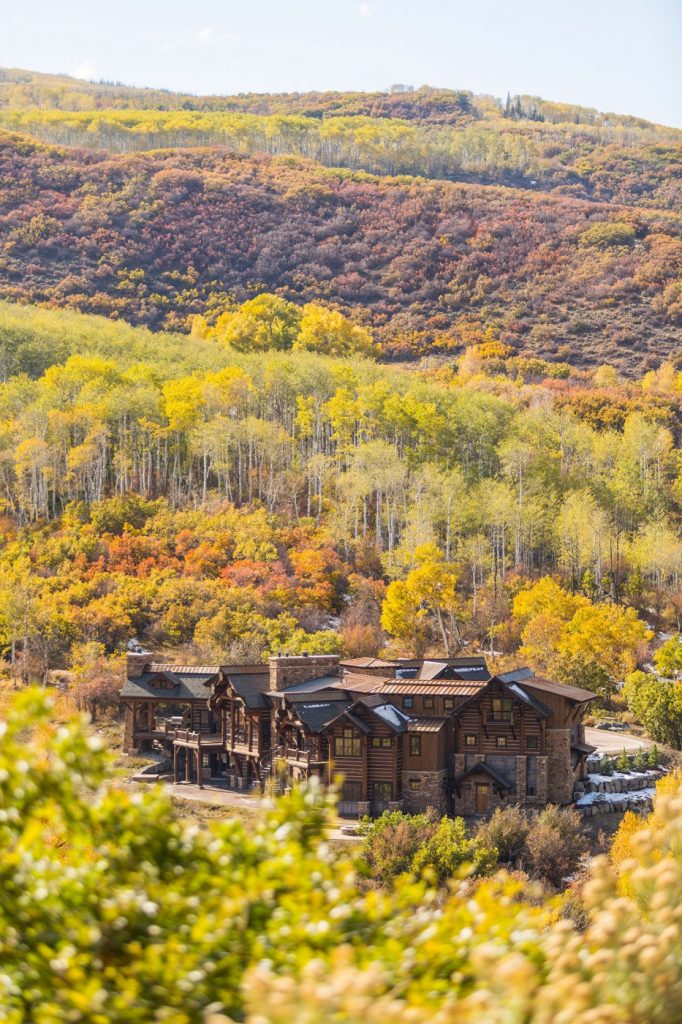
(301, 758)
(197, 740)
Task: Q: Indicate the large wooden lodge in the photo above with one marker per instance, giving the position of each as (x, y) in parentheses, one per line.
(401, 734)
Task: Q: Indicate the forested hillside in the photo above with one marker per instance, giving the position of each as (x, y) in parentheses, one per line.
(429, 265)
(210, 494)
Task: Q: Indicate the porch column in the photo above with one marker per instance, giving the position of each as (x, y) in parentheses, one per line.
(188, 762)
(175, 764)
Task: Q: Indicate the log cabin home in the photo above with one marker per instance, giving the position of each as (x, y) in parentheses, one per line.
(401, 734)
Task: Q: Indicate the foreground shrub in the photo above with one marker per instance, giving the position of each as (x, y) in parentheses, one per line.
(450, 851)
(113, 911)
(506, 832)
(391, 842)
(554, 844)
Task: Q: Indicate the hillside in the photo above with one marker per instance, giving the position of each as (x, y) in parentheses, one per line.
(432, 216)
(156, 237)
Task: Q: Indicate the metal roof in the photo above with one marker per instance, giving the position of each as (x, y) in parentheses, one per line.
(389, 685)
(183, 670)
(442, 687)
(464, 668)
(427, 724)
(575, 693)
(368, 663)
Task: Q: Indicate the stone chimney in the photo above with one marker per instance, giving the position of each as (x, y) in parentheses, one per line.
(288, 671)
(136, 663)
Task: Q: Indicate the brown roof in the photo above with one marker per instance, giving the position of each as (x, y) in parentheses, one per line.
(548, 686)
(431, 669)
(184, 670)
(443, 687)
(427, 724)
(368, 663)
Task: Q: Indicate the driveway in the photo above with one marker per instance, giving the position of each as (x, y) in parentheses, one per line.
(608, 742)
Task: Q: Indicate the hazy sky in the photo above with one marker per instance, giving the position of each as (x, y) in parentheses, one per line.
(620, 55)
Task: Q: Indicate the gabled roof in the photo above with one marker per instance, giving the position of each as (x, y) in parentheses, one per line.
(180, 685)
(392, 716)
(252, 687)
(315, 714)
(460, 668)
(482, 767)
(530, 699)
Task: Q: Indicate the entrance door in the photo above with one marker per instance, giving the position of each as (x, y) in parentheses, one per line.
(482, 797)
(381, 798)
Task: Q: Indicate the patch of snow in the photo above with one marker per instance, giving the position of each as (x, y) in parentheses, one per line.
(635, 796)
(596, 777)
(391, 714)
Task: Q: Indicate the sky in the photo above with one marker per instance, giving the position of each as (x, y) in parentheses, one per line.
(616, 55)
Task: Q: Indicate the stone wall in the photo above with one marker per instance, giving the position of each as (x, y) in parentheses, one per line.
(288, 671)
(432, 792)
(560, 777)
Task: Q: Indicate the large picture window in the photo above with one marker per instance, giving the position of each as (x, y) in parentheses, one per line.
(347, 745)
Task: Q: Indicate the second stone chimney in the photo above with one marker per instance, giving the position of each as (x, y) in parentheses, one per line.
(136, 662)
(286, 671)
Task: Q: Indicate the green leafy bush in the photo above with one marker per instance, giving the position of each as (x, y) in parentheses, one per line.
(506, 831)
(114, 911)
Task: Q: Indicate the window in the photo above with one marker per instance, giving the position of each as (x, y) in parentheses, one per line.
(502, 710)
(347, 745)
(428, 703)
(449, 703)
(380, 741)
(470, 740)
(408, 702)
(501, 741)
(415, 746)
(383, 791)
(352, 791)
(531, 776)
(415, 785)
(532, 743)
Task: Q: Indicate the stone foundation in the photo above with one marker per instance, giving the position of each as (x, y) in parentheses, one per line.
(432, 792)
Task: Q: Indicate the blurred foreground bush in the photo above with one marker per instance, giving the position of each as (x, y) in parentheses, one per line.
(112, 910)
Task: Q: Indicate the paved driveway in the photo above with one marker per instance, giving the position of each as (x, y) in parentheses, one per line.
(608, 742)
